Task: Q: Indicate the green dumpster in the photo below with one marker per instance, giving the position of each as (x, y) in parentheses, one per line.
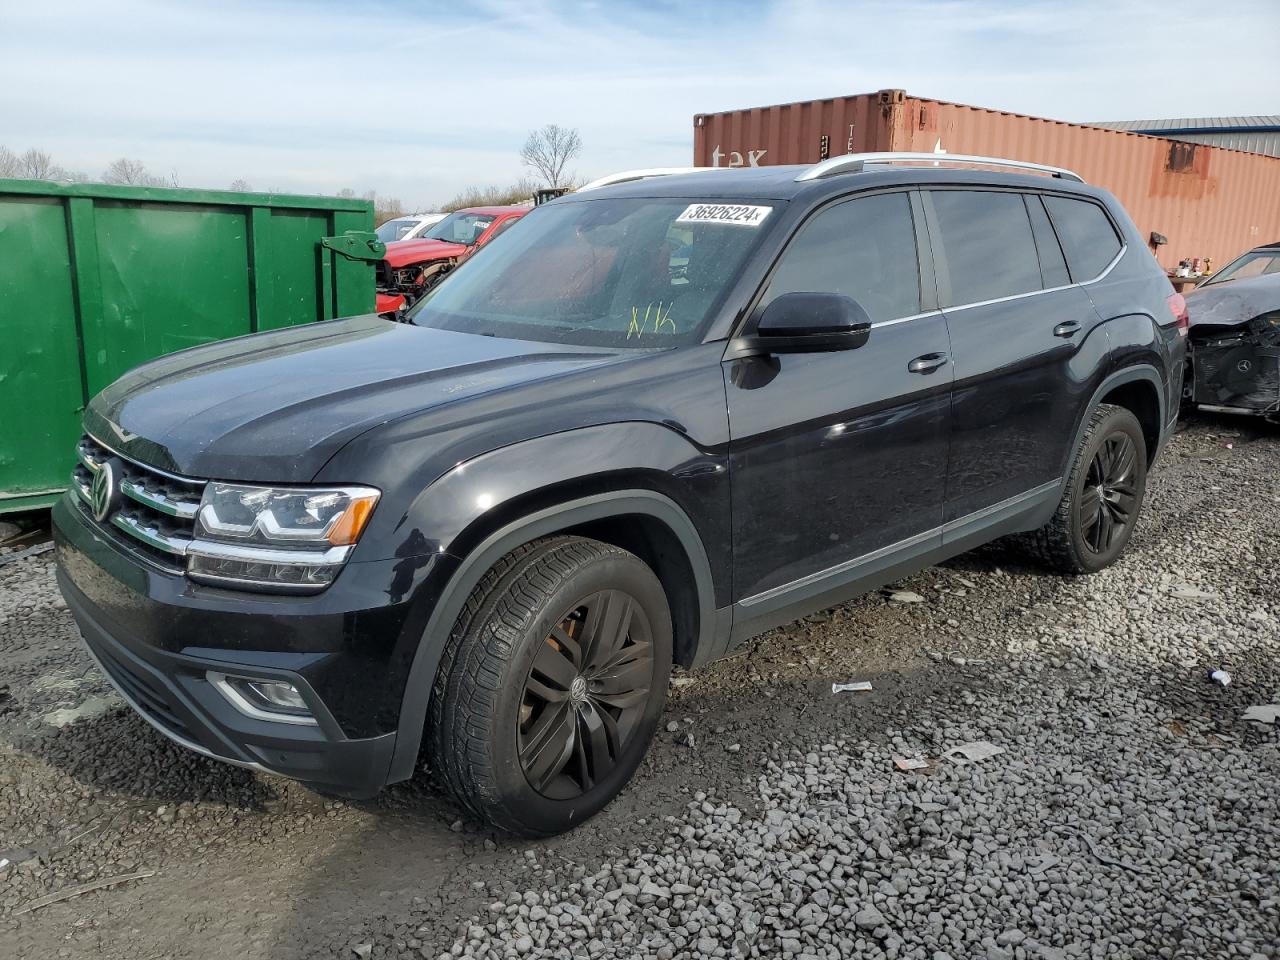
(95, 279)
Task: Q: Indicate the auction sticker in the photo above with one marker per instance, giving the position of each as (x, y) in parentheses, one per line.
(738, 214)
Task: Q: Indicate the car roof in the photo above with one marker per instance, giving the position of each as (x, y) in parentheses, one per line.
(495, 211)
(779, 183)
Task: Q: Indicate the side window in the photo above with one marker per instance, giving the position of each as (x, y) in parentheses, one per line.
(987, 245)
(863, 248)
(1052, 264)
(1088, 238)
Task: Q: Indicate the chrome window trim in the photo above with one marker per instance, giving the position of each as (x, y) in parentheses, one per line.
(1016, 296)
(1035, 293)
(914, 316)
(237, 700)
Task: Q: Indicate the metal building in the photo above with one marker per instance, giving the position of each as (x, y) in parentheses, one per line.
(1206, 201)
(1251, 134)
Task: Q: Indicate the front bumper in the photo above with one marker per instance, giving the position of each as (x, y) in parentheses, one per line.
(156, 637)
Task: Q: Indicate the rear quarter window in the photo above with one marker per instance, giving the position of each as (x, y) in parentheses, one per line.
(1088, 238)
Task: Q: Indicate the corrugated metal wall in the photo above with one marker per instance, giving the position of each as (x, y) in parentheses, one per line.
(1248, 140)
(1208, 201)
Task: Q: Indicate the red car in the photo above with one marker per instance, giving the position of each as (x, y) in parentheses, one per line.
(412, 267)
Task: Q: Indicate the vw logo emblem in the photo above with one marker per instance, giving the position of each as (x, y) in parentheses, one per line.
(1244, 366)
(578, 689)
(103, 491)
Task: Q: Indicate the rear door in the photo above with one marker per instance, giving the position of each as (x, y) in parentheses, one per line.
(840, 458)
(1021, 341)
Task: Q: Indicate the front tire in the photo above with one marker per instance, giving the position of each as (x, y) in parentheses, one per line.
(1103, 497)
(551, 684)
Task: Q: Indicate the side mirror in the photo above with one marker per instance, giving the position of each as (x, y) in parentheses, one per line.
(807, 323)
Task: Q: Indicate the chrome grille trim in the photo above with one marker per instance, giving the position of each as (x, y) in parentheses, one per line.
(159, 500)
(157, 517)
(158, 510)
(151, 535)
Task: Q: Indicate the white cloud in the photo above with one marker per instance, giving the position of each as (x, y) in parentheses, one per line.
(419, 100)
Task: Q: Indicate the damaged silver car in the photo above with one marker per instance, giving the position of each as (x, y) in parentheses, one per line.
(1234, 362)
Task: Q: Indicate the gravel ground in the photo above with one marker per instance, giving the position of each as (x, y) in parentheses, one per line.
(1132, 812)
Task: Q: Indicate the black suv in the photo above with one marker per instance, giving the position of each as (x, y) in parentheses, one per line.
(654, 419)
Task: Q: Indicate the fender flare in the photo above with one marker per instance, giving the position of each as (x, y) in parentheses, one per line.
(712, 629)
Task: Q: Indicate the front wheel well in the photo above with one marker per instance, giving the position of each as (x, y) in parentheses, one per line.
(1140, 398)
(658, 546)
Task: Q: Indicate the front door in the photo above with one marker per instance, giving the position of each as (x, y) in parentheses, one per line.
(838, 460)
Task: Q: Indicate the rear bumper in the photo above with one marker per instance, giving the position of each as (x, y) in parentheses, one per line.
(156, 637)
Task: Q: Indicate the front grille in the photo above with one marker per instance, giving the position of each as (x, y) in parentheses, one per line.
(152, 513)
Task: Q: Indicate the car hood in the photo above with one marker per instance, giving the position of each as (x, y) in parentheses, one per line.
(1233, 302)
(401, 253)
(275, 407)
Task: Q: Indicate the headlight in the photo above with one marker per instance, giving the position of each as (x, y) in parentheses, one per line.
(295, 538)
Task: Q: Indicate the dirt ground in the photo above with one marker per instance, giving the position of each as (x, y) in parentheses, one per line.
(229, 863)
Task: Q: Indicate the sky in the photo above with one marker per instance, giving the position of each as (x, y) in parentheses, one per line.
(420, 100)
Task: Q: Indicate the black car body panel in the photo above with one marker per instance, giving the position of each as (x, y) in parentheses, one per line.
(1235, 344)
(277, 406)
(758, 485)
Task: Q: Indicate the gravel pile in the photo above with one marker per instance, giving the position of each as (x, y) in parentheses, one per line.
(1103, 830)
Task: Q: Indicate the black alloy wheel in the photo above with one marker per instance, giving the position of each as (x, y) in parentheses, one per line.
(1101, 498)
(551, 684)
(585, 694)
(1109, 498)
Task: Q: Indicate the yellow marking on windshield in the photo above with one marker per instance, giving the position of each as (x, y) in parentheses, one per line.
(660, 320)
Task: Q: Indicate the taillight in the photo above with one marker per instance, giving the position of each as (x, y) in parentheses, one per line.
(1178, 307)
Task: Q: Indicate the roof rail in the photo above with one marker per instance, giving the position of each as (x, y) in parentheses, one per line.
(627, 176)
(854, 163)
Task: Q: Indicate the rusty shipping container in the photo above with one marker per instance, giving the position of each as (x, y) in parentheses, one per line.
(1208, 201)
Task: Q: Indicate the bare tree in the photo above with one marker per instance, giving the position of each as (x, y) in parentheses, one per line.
(38, 165)
(240, 186)
(10, 165)
(134, 173)
(346, 193)
(548, 151)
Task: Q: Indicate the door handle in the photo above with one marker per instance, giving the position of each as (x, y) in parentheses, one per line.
(928, 363)
(1068, 329)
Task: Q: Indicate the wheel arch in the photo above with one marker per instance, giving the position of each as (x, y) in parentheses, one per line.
(1140, 397)
(644, 521)
(1137, 386)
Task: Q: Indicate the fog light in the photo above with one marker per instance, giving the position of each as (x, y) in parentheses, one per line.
(276, 700)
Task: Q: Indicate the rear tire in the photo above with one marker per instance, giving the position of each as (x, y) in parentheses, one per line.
(551, 685)
(1103, 497)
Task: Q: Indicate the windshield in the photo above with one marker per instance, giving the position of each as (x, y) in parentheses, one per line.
(396, 229)
(1256, 263)
(619, 273)
(461, 228)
